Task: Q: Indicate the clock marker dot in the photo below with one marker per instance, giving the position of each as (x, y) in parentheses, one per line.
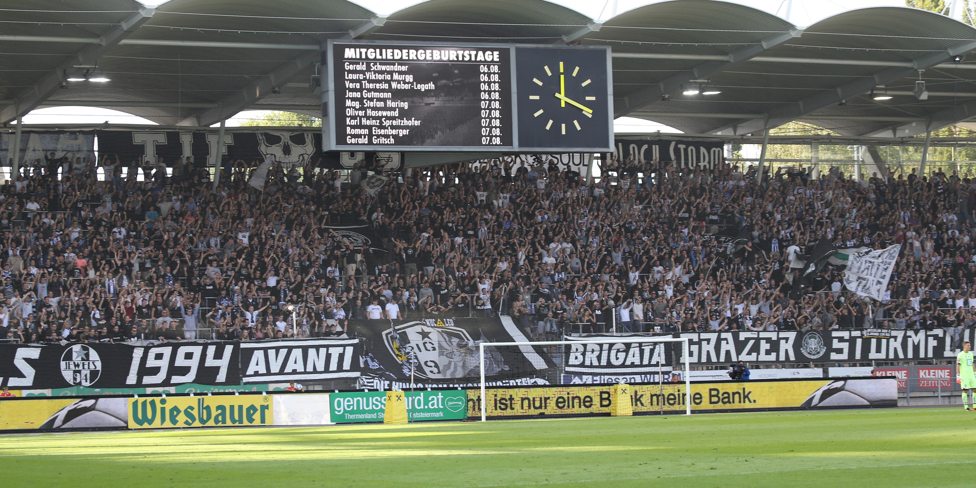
(588, 114)
(564, 128)
(587, 82)
(537, 82)
(591, 98)
(549, 124)
(539, 112)
(576, 123)
(576, 71)
(547, 70)
(533, 97)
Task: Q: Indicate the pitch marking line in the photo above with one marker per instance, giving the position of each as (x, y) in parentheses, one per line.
(741, 473)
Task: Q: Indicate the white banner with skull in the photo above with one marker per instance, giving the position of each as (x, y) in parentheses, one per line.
(290, 148)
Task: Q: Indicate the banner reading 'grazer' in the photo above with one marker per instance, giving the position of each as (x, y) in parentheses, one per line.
(845, 346)
(100, 365)
(445, 352)
(671, 398)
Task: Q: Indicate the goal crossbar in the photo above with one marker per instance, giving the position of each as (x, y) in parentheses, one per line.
(686, 371)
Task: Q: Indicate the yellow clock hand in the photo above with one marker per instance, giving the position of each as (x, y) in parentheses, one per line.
(562, 88)
(573, 103)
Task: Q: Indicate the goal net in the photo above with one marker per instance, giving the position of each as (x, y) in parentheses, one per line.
(573, 376)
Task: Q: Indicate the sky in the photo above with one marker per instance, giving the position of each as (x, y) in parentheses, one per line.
(801, 13)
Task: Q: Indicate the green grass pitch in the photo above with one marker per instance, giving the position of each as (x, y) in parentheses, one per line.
(863, 448)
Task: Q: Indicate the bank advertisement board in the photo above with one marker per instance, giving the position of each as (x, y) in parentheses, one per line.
(421, 406)
(750, 395)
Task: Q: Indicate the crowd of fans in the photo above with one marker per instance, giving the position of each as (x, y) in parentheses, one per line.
(165, 255)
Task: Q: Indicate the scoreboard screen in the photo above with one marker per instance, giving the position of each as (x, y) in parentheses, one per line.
(463, 97)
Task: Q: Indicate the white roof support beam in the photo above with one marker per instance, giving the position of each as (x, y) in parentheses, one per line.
(583, 32)
(280, 76)
(50, 83)
(785, 60)
(735, 116)
(672, 84)
(794, 110)
(936, 121)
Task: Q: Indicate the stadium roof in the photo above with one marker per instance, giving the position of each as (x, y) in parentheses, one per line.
(196, 62)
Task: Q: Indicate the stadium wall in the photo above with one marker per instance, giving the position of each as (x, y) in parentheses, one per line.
(318, 409)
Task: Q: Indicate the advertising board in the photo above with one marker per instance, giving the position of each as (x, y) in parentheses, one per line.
(63, 413)
(589, 400)
(208, 411)
(421, 405)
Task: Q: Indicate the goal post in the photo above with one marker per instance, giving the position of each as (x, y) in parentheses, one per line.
(485, 355)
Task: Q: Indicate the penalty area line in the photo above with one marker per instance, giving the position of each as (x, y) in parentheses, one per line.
(740, 473)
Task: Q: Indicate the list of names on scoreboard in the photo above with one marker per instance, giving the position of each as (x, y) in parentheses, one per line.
(434, 96)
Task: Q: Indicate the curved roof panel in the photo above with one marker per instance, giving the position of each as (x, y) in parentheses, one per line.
(528, 21)
(194, 56)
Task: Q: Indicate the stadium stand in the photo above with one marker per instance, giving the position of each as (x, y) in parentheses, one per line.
(645, 248)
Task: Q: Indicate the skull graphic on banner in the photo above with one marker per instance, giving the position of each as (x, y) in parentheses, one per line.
(288, 148)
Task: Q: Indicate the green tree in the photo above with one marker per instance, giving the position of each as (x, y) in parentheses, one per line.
(932, 5)
(940, 6)
(283, 119)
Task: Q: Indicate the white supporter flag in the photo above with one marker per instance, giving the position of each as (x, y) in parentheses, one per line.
(374, 184)
(868, 271)
(260, 175)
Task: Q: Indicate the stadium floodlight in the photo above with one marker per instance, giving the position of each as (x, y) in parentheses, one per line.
(483, 358)
(699, 87)
(89, 74)
(74, 75)
(880, 93)
(98, 76)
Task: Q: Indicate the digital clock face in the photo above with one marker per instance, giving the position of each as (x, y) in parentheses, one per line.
(563, 98)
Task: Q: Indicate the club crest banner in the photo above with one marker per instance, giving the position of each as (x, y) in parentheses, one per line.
(445, 352)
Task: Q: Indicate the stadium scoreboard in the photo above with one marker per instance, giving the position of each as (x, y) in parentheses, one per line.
(467, 97)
